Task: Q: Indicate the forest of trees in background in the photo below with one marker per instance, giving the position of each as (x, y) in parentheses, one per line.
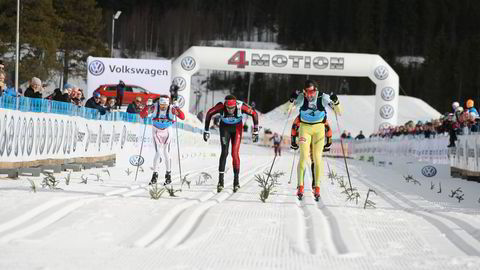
(445, 33)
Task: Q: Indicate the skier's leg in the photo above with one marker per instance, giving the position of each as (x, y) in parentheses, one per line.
(224, 143)
(318, 141)
(236, 141)
(166, 154)
(156, 159)
(304, 141)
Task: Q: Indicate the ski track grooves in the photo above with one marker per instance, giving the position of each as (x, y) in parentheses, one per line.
(157, 236)
(339, 244)
(430, 216)
(45, 214)
(308, 226)
(44, 220)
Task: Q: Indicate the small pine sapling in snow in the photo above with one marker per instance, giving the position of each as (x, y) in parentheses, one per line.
(455, 192)
(172, 191)
(267, 183)
(84, 179)
(156, 191)
(185, 181)
(50, 181)
(460, 197)
(408, 178)
(128, 172)
(203, 177)
(369, 203)
(439, 187)
(33, 187)
(108, 172)
(68, 178)
(432, 185)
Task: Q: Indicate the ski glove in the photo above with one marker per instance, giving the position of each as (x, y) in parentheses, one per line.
(206, 135)
(255, 135)
(293, 96)
(334, 99)
(294, 144)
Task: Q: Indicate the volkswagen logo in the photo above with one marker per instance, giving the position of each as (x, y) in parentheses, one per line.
(429, 171)
(75, 134)
(386, 111)
(11, 134)
(50, 135)
(136, 160)
(181, 101)
(3, 139)
(88, 138)
(22, 135)
(112, 138)
(99, 137)
(29, 137)
(60, 136)
(96, 67)
(381, 72)
(37, 136)
(188, 63)
(388, 93)
(124, 137)
(67, 135)
(384, 125)
(43, 136)
(180, 82)
(17, 135)
(55, 136)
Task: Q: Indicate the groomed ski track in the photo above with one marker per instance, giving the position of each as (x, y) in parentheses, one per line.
(113, 224)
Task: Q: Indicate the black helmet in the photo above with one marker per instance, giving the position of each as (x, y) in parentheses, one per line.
(309, 83)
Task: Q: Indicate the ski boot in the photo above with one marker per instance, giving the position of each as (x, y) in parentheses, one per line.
(326, 149)
(236, 184)
(154, 178)
(300, 192)
(316, 193)
(220, 182)
(168, 178)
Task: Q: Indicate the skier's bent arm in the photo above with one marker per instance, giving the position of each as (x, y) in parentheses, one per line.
(248, 110)
(214, 110)
(178, 113)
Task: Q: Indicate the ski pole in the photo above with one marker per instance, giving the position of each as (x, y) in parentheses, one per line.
(283, 131)
(141, 147)
(343, 151)
(293, 164)
(178, 151)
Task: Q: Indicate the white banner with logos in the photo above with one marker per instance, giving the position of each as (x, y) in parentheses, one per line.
(27, 136)
(153, 75)
(466, 155)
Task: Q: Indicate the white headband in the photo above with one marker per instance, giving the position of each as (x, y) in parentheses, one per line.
(164, 101)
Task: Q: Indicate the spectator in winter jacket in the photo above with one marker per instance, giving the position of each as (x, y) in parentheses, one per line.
(136, 106)
(120, 91)
(94, 103)
(4, 89)
(470, 107)
(35, 89)
(360, 136)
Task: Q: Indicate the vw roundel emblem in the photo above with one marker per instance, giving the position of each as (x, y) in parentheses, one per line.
(188, 63)
(180, 82)
(386, 111)
(387, 93)
(381, 72)
(181, 101)
(96, 67)
(136, 160)
(429, 171)
(384, 125)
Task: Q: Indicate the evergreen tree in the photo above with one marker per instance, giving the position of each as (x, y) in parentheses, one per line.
(81, 23)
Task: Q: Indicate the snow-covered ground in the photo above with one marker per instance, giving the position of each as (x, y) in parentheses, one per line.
(114, 224)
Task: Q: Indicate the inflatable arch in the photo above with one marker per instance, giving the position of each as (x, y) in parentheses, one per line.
(294, 62)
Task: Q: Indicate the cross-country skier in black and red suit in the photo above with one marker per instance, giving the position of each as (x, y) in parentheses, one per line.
(231, 128)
